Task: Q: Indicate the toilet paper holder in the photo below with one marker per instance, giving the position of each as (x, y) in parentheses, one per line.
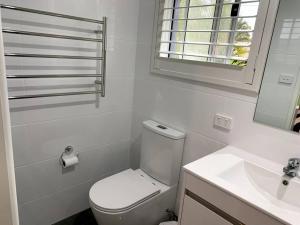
(69, 149)
(67, 154)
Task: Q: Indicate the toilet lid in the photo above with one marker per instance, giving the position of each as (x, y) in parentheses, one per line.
(122, 191)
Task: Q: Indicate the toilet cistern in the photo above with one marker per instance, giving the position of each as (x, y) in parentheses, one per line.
(291, 170)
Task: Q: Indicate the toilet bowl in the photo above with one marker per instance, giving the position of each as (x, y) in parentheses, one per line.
(139, 199)
(142, 196)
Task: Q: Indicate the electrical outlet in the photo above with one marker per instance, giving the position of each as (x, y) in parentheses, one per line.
(222, 121)
(286, 78)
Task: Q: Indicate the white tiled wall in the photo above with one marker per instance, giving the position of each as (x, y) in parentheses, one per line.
(191, 106)
(42, 128)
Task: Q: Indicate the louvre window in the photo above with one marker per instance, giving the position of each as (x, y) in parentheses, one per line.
(214, 31)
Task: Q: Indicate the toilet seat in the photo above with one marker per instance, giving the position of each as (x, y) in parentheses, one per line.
(122, 191)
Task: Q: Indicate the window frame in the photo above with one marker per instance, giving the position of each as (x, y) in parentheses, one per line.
(247, 78)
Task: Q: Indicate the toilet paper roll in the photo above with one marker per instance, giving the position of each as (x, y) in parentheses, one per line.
(68, 160)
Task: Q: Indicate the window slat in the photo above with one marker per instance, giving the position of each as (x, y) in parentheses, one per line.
(206, 43)
(210, 31)
(210, 18)
(210, 5)
(204, 56)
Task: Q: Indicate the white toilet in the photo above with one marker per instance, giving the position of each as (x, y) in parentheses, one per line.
(142, 196)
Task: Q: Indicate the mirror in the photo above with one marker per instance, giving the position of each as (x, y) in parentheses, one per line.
(279, 103)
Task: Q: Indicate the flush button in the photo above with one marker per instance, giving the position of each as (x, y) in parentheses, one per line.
(162, 127)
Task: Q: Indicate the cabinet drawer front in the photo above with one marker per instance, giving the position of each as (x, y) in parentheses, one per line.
(196, 214)
(238, 209)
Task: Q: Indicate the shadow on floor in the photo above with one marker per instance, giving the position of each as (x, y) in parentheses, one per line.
(83, 218)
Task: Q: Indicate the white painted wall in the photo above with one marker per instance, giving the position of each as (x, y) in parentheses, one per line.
(8, 195)
(191, 106)
(277, 101)
(42, 128)
(5, 203)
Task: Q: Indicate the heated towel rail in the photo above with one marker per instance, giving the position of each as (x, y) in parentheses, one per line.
(100, 76)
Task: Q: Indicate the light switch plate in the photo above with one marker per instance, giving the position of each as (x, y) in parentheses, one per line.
(286, 78)
(223, 121)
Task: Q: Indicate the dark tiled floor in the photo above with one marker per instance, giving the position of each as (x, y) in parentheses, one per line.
(87, 218)
(83, 218)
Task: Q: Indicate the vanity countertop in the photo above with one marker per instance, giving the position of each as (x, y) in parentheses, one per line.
(252, 179)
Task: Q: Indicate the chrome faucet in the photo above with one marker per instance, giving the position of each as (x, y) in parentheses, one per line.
(291, 170)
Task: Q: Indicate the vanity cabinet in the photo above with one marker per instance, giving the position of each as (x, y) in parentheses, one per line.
(195, 213)
(205, 204)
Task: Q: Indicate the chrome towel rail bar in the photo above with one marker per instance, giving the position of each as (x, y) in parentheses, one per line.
(100, 76)
(46, 13)
(53, 76)
(54, 95)
(103, 68)
(22, 32)
(52, 56)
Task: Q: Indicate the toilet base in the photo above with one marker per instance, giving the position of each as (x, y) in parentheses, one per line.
(150, 212)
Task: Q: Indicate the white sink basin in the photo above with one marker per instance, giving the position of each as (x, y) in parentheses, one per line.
(252, 179)
(264, 184)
